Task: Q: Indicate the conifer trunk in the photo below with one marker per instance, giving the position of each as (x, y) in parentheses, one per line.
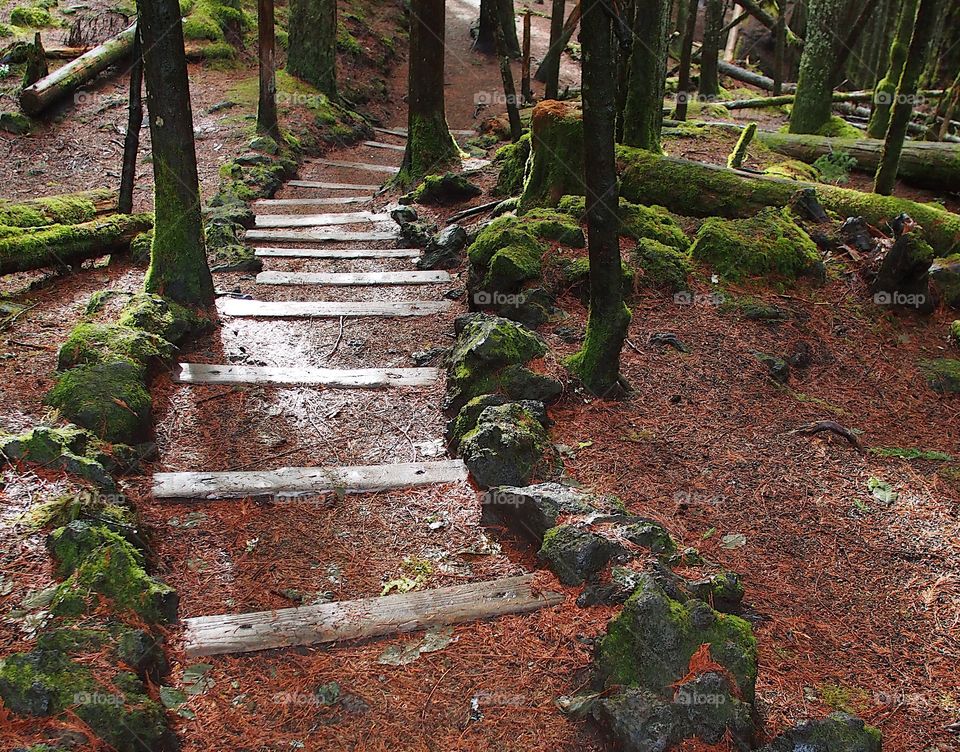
(131, 142)
(267, 122)
(492, 13)
(643, 111)
(886, 88)
(551, 74)
(811, 110)
(686, 56)
(710, 51)
(312, 47)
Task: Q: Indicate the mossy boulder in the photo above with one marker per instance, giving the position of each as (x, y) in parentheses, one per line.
(534, 510)
(769, 243)
(108, 398)
(650, 644)
(945, 276)
(33, 17)
(837, 127)
(636, 221)
(137, 649)
(512, 160)
(942, 374)
(68, 448)
(839, 732)
(449, 188)
(165, 318)
(661, 266)
(575, 553)
(466, 419)
(506, 447)
(954, 335)
(96, 559)
(548, 224)
(90, 343)
(15, 122)
(141, 247)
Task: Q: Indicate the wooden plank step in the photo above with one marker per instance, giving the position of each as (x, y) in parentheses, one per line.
(381, 145)
(359, 166)
(323, 309)
(402, 132)
(333, 186)
(319, 220)
(330, 201)
(337, 253)
(364, 618)
(349, 279)
(356, 378)
(291, 482)
(320, 235)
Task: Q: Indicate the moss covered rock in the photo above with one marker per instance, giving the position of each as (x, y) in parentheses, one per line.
(661, 266)
(574, 553)
(449, 188)
(556, 166)
(108, 398)
(506, 447)
(942, 374)
(955, 333)
(636, 221)
(98, 343)
(141, 247)
(945, 276)
(162, 317)
(794, 169)
(466, 419)
(15, 122)
(770, 243)
(68, 448)
(839, 732)
(33, 17)
(837, 127)
(512, 159)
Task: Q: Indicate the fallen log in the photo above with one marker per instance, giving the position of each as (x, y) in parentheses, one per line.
(914, 129)
(66, 209)
(928, 164)
(25, 249)
(703, 190)
(749, 77)
(65, 80)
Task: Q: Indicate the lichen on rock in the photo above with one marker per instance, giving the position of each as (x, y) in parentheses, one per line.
(506, 447)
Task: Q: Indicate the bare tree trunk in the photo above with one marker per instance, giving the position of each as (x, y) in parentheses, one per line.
(554, 54)
(506, 75)
(178, 260)
(686, 56)
(643, 111)
(131, 142)
(525, 89)
(267, 122)
(597, 364)
(551, 76)
(779, 50)
(710, 50)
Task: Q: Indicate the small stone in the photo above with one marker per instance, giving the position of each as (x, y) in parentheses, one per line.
(574, 553)
(444, 251)
(777, 368)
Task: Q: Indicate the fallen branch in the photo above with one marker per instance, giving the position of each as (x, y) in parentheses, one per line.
(830, 426)
(473, 210)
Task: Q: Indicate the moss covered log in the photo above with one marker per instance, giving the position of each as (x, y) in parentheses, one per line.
(23, 249)
(67, 209)
(702, 190)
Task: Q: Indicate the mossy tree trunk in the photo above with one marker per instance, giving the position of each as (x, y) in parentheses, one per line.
(312, 45)
(811, 110)
(597, 364)
(430, 147)
(267, 122)
(178, 260)
(886, 88)
(131, 142)
(643, 111)
(710, 51)
(923, 30)
(686, 56)
(856, 28)
(492, 13)
(551, 74)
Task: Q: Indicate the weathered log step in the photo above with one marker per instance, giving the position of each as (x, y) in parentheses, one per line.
(364, 618)
(267, 203)
(350, 279)
(355, 378)
(358, 166)
(337, 253)
(294, 482)
(321, 235)
(333, 186)
(381, 145)
(323, 309)
(319, 220)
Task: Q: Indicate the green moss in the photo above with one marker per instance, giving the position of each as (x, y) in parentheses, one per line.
(945, 275)
(769, 243)
(6, 31)
(209, 19)
(162, 317)
(653, 223)
(434, 149)
(697, 109)
(448, 188)
(512, 159)
(942, 374)
(793, 169)
(911, 453)
(548, 224)
(506, 446)
(556, 162)
(502, 232)
(739, 153)
(575, 274)
(140, 247)
(955, 333)
(98, 343)
(14, 122)
(69, 209)
(111, 510)
(661, 266)
(32, 17)
(108, 398)
(348, 43)
(837, 127)
(513, 265)
(66, 448)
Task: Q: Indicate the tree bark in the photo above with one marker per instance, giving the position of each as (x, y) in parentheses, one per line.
(312, 46)
(131, 142)
(923, 29)
(552, 59)
(811, 110)
(267, 122)
(643, 111)
(597, 364)
(492, 13)
(178, 260)
(850, 41)
(886, 88)
(686, 56)
(710, 50)
(551, 74)
(430, 147)
(509, 89)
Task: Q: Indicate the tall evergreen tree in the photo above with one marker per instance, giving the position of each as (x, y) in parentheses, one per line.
(814, 99)
(178, 259)
(923, 29)
(430, 147)
(643, 113)
(493, 12)
(710, 50)
(312, 46)
(598, 362)
(267, 122)
(886, 88)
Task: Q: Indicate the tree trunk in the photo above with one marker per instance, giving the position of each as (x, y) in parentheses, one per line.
(686, 56)
(430, 147)
(597, 364)
(551, 73)
(850, 41)
(131, 142)
(178, 260)
(811, 110)
(66, 79)
(525, 91)
(552, 59)
(923, 29)
(643, 111)
(779, 52)
(267, 122)
(710, 50)
(493, 12)
(312, 46)
(509, 89)
(58, 245)
(886, 88)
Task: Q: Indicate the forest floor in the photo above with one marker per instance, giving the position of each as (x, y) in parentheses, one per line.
(855, 602)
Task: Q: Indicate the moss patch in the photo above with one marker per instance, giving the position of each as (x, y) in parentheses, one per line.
(162, 317)
(661, 266)
(512, 159)
(448, 188)
(33, 17)
(98, 343)
(69, 209)
(794, 169)
(68, 448)
(505, 447)
(942, 374)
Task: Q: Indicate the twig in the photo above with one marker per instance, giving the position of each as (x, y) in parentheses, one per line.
(473, 210)
(833, 427)
(337, 343)
(9, 321)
